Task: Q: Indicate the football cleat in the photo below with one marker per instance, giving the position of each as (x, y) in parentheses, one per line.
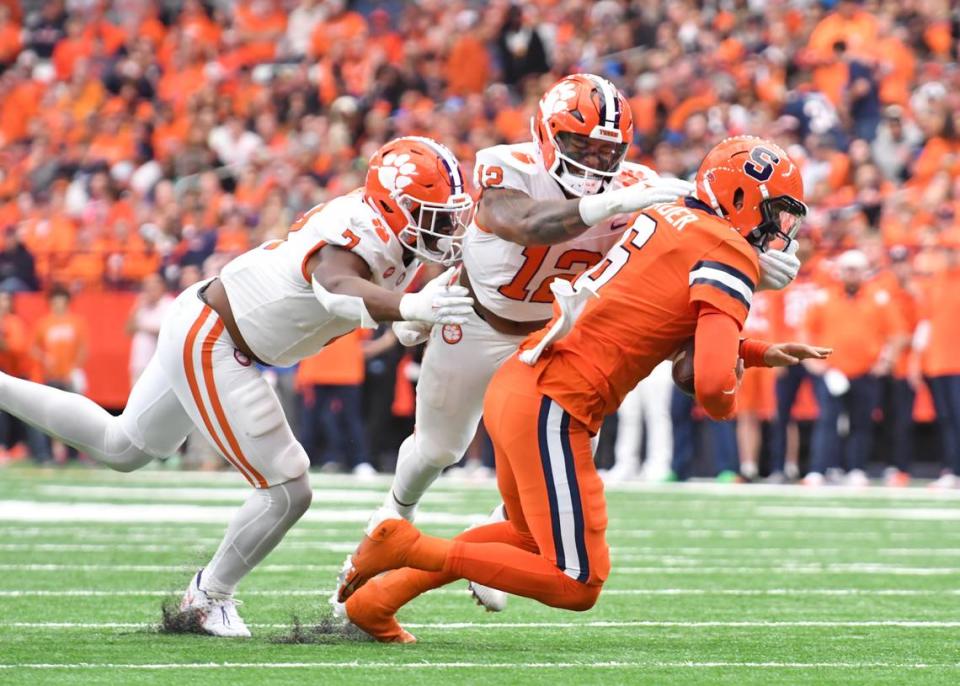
(217, 615)
(363, 612)
(494, 600)
(383, 548)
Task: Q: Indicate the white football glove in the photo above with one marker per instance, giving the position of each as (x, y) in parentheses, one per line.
(778, 268)
(595, 208)
(412, 333)
(438, 302)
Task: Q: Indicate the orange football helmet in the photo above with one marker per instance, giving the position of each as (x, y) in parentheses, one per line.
(416, 185)
(583, 127)
(753, 184)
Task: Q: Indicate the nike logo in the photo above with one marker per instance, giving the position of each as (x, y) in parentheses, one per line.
(617, 225)
(731, 391)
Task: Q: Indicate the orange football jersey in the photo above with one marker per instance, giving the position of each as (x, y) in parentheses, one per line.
(650, 285)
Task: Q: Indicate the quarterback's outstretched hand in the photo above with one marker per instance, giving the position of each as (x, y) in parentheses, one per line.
(412, 333)
(595, 208)
(778, 268)
(438, 302)
(789, 354)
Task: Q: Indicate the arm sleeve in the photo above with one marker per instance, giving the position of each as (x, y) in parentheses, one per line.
(725, 278)
(716, 350)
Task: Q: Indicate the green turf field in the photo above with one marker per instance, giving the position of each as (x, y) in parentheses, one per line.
(730, 585)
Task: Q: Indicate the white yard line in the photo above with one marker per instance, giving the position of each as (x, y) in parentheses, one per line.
(228, 494)
(643, 592)
(445, 626)
(799, 568)
(32, 511)
(401, 666)
(927, 514)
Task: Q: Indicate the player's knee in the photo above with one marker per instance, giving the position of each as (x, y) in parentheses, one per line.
(119, 451)
(583, 597)
(434, 454)
(299, 495)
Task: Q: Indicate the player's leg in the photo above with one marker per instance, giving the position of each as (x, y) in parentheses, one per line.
(824, 441)
(153, 424)
(787, 386)
(373, 607)
(863, 397)
(238, 412)
(684, 434)
(561, 503)
(626, 448)
(456, 369)
(657, 391)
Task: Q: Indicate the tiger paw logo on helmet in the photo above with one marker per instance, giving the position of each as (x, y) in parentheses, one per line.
(560, 98)
(396, 172)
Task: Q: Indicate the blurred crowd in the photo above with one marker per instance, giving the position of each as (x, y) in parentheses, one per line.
(160, 138)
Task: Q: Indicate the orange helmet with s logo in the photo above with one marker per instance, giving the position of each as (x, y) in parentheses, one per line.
(583, 127)
(417, 186)
(752, 183)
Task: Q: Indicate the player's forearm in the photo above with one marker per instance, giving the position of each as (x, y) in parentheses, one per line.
(550, 222)
(716, 351)
(381, 304)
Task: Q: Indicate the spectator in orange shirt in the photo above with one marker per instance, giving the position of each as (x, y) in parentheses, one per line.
(9, 38)
(905, 302)
(60, 343)
(13, 361)
(857, 322)
(937, 336)
(340, 25)
(331, 382)
(756, 399)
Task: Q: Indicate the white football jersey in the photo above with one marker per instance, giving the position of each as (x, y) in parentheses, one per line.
(270, 290)
(513, 281)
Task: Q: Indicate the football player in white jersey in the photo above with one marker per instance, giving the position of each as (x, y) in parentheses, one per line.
(548, 210)
(345, 264)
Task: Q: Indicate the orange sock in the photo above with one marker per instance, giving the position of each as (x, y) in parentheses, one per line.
(428, 553)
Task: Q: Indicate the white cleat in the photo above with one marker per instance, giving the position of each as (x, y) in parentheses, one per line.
(947, 481)
(857, 478)
(217, 616)
(490, 598)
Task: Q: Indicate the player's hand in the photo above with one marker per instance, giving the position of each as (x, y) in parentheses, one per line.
(412, 333)
(595, 208)
(660, 189)
(778, 268)
(788, 354)
(438, 302)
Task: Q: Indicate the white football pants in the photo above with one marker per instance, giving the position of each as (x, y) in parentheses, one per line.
(196, 378)
(456, 370)
(647, 405)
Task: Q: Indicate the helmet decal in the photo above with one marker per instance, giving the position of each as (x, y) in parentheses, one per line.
(761, 163)
(396, 172)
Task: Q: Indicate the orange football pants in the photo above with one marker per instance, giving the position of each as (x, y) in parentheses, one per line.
(553, 547)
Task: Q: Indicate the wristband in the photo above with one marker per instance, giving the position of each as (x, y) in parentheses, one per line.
(752, 352)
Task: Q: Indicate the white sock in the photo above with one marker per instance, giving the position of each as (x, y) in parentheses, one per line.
(73, 419)
(411, 481)
(256, 529)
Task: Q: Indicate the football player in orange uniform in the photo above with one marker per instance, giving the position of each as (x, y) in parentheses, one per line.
(683, 269)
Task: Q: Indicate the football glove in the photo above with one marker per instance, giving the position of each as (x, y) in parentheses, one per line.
(438, 302)
(595, 208)
(412, 333)
(778, 268)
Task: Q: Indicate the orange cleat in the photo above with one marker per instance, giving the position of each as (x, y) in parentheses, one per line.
(365, 613)
(384, 547)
